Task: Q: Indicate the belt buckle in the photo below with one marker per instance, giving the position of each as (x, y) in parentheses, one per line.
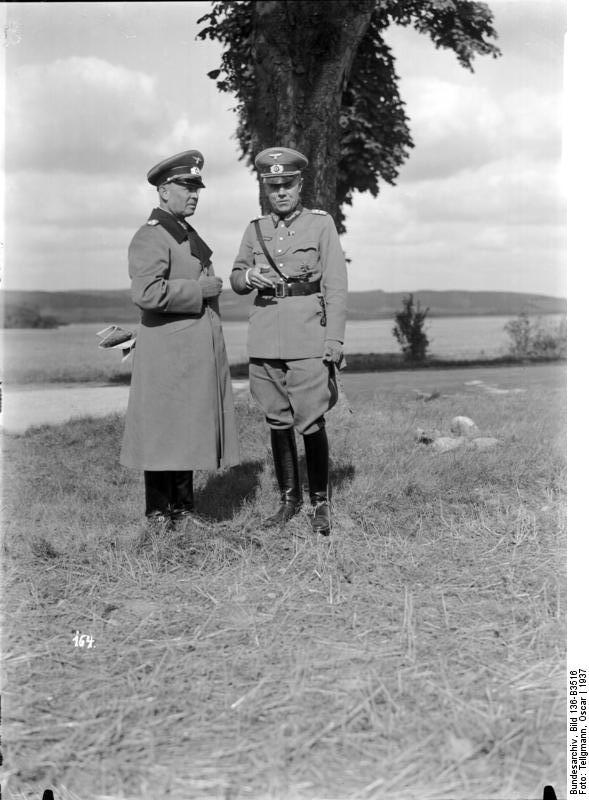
(280, 289)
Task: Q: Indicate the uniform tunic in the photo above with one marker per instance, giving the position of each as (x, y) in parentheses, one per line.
(304, 244)
(180, 414)
(286, 336)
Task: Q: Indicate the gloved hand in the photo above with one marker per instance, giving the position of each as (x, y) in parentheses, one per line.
(210, 285)
(334, 351)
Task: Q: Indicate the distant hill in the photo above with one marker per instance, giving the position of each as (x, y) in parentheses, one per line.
(116, 305)
(379, 304)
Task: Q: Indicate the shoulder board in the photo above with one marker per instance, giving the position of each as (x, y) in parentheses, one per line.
(153, 222)
(318, 211)
(255, 219)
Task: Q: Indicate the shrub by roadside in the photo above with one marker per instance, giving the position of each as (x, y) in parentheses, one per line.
(24, 316)
(536, 339)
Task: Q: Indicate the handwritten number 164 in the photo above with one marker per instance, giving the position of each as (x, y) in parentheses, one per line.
(82, 640)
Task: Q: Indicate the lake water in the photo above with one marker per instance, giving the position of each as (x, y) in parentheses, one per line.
(450, 337)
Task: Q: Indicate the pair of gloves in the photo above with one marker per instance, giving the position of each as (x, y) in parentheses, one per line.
(334, 353)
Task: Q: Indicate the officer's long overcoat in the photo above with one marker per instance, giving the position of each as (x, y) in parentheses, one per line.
(180, 414)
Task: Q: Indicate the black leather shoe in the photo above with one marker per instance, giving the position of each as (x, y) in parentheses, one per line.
(320, 514)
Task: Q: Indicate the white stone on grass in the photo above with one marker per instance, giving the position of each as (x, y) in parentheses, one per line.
(463, 426)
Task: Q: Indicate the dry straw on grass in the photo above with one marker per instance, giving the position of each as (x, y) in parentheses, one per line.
(415, 654)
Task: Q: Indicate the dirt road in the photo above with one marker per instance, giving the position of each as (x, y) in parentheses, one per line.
(31, 406)
(25, 407)
(495, 380)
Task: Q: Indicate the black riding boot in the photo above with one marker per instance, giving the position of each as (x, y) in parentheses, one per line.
(158, 492)
(317, 455)
(182, 491)
(284, 451)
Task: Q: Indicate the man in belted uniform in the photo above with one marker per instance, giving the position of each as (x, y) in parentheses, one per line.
(292, 259)
(180, 416)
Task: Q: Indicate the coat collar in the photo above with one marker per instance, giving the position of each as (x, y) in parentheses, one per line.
(180, 231)
(171, 224)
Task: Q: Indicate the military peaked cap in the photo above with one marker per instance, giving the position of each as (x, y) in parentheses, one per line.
(279, 164)
(184, 167)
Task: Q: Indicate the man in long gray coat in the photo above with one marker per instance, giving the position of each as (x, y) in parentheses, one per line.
(294, 260)
(180, 416)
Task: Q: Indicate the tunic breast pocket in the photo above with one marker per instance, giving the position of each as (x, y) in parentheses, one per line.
(305, 255)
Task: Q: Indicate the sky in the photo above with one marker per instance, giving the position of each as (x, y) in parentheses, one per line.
(97, 93)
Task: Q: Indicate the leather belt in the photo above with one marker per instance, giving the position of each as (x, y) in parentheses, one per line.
(282, 289)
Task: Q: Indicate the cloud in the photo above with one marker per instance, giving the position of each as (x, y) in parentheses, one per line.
(457, 128)
(534, 29)
(213, 137)
(79, 237)
(73, 200)
(70, 200)
(504, 218)
(80, 114)
(504, 193)
(453, 254)
(92, 117)
(509, 107)
(500, 195)
(530, 35)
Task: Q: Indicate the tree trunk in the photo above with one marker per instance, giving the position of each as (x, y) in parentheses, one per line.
(303, 53)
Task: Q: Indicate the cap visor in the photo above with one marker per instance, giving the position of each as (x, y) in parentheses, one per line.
(285, 177)
(186, 180)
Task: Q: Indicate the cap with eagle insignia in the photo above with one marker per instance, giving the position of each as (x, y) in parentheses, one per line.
(279, 164)
(184, 168)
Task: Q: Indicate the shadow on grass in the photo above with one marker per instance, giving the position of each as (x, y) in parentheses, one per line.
(341, 473)
(338, 473)
(223, 495)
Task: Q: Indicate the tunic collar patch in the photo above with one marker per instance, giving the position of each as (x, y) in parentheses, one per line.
(287, 220)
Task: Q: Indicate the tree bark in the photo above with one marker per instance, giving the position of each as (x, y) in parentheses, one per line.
(303, 53)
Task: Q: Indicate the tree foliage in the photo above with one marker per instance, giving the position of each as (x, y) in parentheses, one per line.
(409, 330)
(320, 77)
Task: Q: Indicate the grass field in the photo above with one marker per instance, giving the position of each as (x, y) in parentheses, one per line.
(416, 654)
